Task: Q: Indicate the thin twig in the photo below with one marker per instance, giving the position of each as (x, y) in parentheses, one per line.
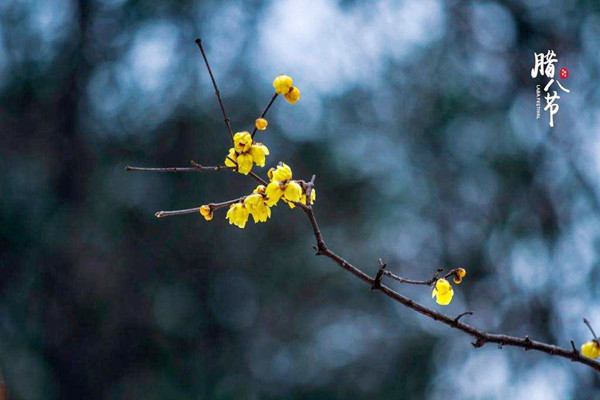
(587, 322)
(264, 113)
(213, 206)
(258, 178)
(196, 168)
(459, 316)
(212, 78)
(428, 282)
(481, 337)
(379, 275)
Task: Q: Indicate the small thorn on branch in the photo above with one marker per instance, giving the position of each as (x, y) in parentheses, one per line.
(459, 316)
(478, 343)
(574, 348)
(379, 276)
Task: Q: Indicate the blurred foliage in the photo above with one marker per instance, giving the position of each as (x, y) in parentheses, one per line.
(418, 118)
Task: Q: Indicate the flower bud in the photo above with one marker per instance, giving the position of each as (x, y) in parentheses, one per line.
(293, 95)
(283, 84)
(261, 124)
(206, 212)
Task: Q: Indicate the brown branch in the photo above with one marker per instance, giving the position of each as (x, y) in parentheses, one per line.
(212, 78)
(213, 206)
(265, 112)
(481, 337)
(258, 178)
(195, 168)
(426, 283)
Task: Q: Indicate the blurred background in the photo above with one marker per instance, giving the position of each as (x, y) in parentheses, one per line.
(418, 118)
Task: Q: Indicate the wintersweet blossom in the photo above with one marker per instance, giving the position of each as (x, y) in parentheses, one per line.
(282, 185)
(293, 95)
(245, 152)
(257, 207)
(206, 212)
(283, 84)
(590, 349)
(261, 124)
(238, 215)
(442, 292)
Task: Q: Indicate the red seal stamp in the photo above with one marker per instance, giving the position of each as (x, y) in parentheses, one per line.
(564, 73)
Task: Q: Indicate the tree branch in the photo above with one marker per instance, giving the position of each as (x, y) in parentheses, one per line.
(195, 168)
(213, 206)
(212, 78)
(481, 337)
(265, 112)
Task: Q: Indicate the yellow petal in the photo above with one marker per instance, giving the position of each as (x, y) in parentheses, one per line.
(260, 189)
(273, 192)
(282, 173)
(237, 215)
(242, 141)
(283, 84)
(590, 349)
(313, 197)
(259, 152)
(244, 162)
(231, 157)
(442, 292)
(293, 95)
(293, 191)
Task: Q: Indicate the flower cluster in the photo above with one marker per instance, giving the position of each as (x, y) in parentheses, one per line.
(242, 157)
(442, 290)
(259, 203)
(283, 187)
(245, 153)
(284, 85)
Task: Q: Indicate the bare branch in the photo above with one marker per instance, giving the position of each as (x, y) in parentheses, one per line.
(587, 323)
(481, 337)
(212, 78)
(213, 206)
(196, 168)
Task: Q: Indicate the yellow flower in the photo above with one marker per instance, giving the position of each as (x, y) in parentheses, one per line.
(231, 159)
(245, 152)
(206, 212)
(282, 173)
(242, 141)
(259, 153)
(244, 162)
(273, 192)
(292, 191)
(260, 211)
(293, 95)
(442, 292)
(283, 84)
(261, 124)
(313, 196)
(260, 189)
(237, 215)
(590, 349)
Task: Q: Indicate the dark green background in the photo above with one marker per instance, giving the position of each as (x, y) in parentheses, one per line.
(418, 119)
